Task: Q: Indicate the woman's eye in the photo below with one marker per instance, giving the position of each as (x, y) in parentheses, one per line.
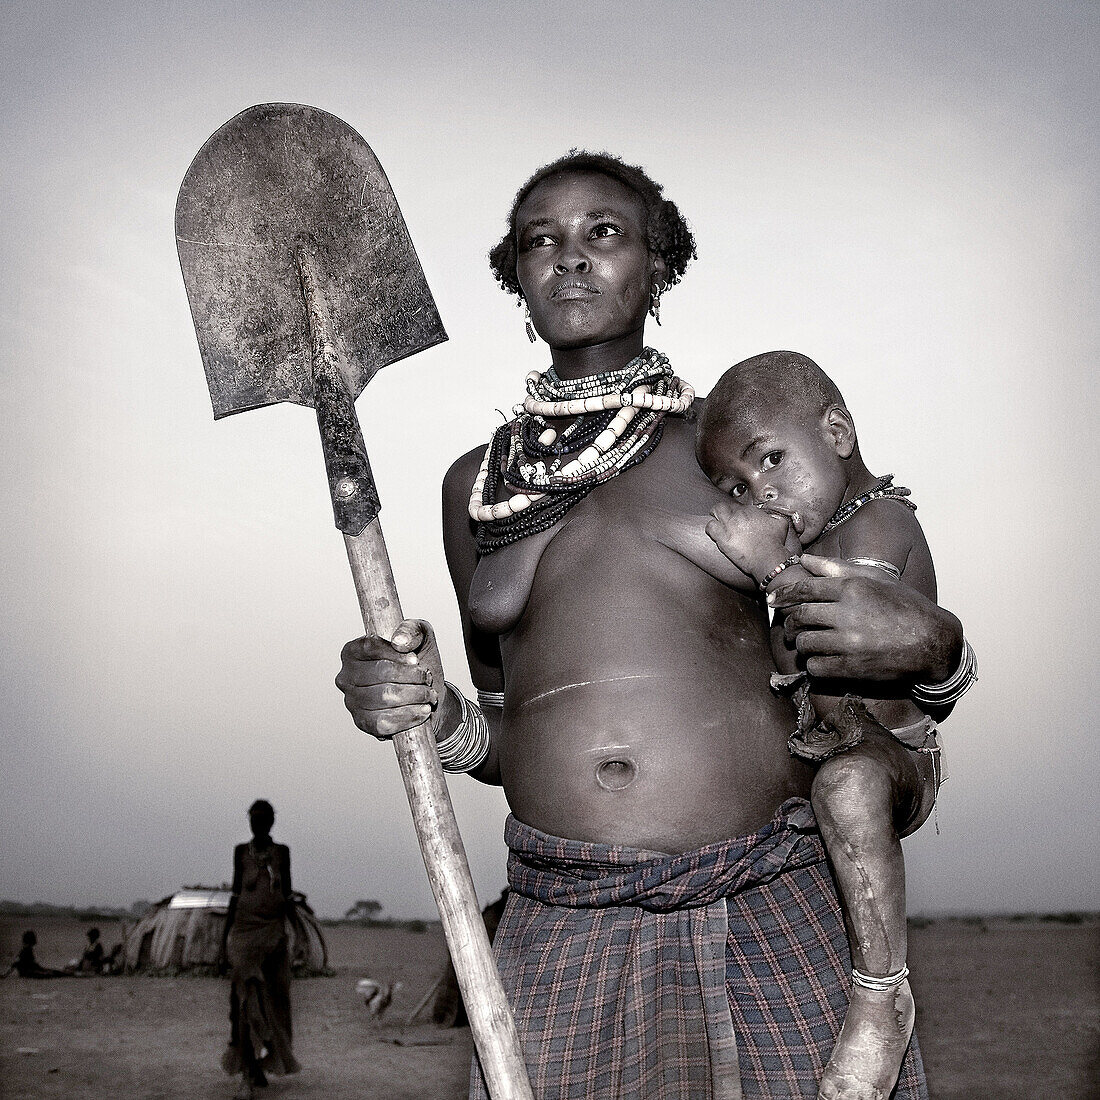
(772, 459)
(606, 229)
(538, 240)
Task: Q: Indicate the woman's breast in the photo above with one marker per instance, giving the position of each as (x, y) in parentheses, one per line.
(502, 582)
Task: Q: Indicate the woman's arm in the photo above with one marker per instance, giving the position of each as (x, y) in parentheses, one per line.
(482, 648)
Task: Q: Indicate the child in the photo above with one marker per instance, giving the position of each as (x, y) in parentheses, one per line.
(776, 436)
(26, 965)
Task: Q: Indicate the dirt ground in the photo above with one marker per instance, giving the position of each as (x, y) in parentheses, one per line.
(1006, 1009)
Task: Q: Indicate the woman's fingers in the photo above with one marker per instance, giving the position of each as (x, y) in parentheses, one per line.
(809, 616)
(362, 673)
(831, 581)
(384, 724)
(826, 668)
(386, 696)
(410, 635)
(806, 590)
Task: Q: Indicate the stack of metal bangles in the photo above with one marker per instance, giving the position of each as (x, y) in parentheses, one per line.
(467, 748)
(954, 687)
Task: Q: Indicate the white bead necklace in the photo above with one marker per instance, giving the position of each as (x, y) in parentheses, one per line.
(550, 397)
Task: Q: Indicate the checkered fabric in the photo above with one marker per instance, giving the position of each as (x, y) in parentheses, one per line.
(710, 975)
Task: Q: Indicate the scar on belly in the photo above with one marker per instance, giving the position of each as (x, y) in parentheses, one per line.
(582, 684)
(614, 775)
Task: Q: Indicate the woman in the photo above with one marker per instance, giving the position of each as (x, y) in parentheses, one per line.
(255, 945)
(622, 667)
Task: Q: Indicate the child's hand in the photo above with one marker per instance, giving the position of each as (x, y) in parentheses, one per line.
(754, 540)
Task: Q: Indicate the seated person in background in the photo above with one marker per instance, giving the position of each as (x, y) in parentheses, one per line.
(113, 962)
(778, 439)
(91, 961)
(26, 965)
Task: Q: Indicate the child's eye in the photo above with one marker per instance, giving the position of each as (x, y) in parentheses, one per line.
(606, 229)
(739, 490)
(771, 460)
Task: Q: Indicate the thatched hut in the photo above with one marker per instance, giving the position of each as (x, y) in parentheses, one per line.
(184, 931)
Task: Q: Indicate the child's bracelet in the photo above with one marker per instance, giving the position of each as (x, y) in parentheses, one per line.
(468, 747)
(954, 687)
(794, 559)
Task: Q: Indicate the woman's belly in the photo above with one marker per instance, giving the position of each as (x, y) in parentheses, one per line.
(669, 743)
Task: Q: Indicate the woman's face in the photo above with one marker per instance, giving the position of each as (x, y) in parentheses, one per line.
(583, 261)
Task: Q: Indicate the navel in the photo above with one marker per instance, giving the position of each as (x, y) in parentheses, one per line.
(616, 773)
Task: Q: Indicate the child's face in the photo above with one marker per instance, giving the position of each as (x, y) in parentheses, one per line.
(779, 461)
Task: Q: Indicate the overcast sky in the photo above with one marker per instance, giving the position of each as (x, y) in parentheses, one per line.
(905, 192)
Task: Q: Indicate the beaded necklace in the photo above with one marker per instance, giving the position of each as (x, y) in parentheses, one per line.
(883, 489)
(533, 472)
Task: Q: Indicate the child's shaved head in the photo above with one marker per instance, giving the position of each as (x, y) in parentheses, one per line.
(766, 383)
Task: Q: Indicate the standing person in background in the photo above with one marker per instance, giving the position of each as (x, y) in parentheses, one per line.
(255, 943)
(672, 929)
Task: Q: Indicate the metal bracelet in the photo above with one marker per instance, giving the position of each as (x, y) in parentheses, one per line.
(468, 746)
(887, 567)
(881, 985)
(954, 687)
(490, 698)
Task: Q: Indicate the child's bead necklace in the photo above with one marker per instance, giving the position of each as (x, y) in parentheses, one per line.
(883, 489)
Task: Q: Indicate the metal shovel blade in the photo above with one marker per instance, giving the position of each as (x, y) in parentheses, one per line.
(275, 173)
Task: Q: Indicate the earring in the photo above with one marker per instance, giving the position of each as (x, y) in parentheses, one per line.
(655, 303)
(527, 320)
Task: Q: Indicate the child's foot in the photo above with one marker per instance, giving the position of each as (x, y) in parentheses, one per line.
(244, 1091)
(869, 1050)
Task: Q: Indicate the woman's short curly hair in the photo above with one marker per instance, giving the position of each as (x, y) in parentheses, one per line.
(667, 231)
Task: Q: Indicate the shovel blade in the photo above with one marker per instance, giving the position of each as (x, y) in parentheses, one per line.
(271, 175)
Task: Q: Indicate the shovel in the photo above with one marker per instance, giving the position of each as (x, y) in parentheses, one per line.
(303, 283)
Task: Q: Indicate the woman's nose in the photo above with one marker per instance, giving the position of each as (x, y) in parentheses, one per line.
(570, 261)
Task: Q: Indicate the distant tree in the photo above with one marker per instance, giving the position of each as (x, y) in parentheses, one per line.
(364, 910)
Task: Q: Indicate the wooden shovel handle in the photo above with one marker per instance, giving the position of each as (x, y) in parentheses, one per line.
(491, 1020)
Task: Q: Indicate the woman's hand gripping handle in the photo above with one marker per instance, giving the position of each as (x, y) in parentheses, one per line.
(390, 686)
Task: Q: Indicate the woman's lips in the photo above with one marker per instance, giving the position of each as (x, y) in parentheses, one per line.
(572, 289)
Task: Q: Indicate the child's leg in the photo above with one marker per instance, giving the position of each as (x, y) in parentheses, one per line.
(864, 798)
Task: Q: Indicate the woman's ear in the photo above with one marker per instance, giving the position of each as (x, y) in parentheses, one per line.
(839, 427)
(660, 271)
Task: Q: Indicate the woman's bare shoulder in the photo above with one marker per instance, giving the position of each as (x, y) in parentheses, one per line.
(459, 477)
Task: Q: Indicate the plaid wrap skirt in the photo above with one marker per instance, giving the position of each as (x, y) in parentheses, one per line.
(710, 975)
